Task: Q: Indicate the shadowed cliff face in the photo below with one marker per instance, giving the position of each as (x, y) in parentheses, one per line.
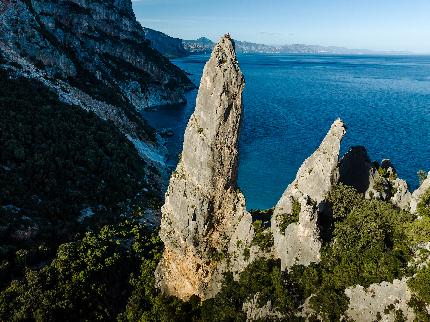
(204, 215)
(93, 48)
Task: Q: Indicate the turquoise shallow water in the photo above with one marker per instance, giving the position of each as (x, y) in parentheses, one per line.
(290, 102)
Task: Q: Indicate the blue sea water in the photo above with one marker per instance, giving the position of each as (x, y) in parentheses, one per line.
(290, 101)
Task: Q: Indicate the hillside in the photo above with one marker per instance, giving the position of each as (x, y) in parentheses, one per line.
(168, 46)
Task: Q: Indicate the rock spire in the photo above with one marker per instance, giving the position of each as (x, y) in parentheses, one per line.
(295, 221)
(205, 221)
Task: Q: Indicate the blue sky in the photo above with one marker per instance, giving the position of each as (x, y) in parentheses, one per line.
(373, 24)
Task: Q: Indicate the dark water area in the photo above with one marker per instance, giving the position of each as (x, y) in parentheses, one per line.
(290, 101)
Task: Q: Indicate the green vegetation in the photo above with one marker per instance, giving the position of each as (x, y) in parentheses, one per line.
(263, 277)
(422, 175)
(423, 207)
(368, 246)
(420, 309)
(87, 280)
(55, 161)
(418, 231)
(110, 275)
(263, 238)
(420, 284)
(288, 219)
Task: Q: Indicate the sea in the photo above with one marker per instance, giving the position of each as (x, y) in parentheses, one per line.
(290, 101)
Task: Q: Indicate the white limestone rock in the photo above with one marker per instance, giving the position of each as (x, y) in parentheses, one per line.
(205, 226)
(379, 300)
(300, 242)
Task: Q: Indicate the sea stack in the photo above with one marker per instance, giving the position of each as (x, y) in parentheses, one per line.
(295, 221)
(204, 218)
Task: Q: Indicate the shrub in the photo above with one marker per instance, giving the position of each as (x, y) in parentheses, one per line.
(88, 279)
(420, 284)
(288, 219)
(263, 238)
(423, 207)
(422, 175)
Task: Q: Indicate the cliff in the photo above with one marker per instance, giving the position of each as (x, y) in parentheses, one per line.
(93, 54)
(297, 231)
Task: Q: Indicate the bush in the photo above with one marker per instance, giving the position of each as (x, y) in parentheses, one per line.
(88, 279)
(423, 207)
(289, 219)
(55, 161)
(418, 231)
(420, 284)
(263, 238)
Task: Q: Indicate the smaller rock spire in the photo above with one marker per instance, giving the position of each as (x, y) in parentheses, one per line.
(295, 218)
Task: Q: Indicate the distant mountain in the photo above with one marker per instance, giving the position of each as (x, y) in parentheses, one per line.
(168, 46)
(172, 47)
(204, 45)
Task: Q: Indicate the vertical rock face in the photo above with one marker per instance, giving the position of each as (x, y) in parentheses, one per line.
(385, 185)
(298, 240)
(93, 54)
(204, 215)
(354, 169)
(90, 42)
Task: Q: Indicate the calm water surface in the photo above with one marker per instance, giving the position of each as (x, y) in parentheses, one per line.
(290, 101)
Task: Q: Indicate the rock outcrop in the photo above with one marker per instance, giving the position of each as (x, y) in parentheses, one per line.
(255, 312)
(380, 302)
(205, 226)
(417, 194)
(354, 169)
(385, 185)
(295, 221)
(379, 181)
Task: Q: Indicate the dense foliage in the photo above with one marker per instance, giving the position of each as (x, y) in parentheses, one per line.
(423, 207)
(62, 171)
(287, 219)
(88, 279)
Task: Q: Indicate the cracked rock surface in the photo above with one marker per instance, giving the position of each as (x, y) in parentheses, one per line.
(205, 226)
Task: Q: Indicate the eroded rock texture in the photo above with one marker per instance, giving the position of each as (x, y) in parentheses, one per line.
(93, 54)
(385, 185)
(87, 42)
(205, 225)
(380, 302)
(299, 242)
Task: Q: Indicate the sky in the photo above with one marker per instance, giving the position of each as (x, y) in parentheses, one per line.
(393, 25)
